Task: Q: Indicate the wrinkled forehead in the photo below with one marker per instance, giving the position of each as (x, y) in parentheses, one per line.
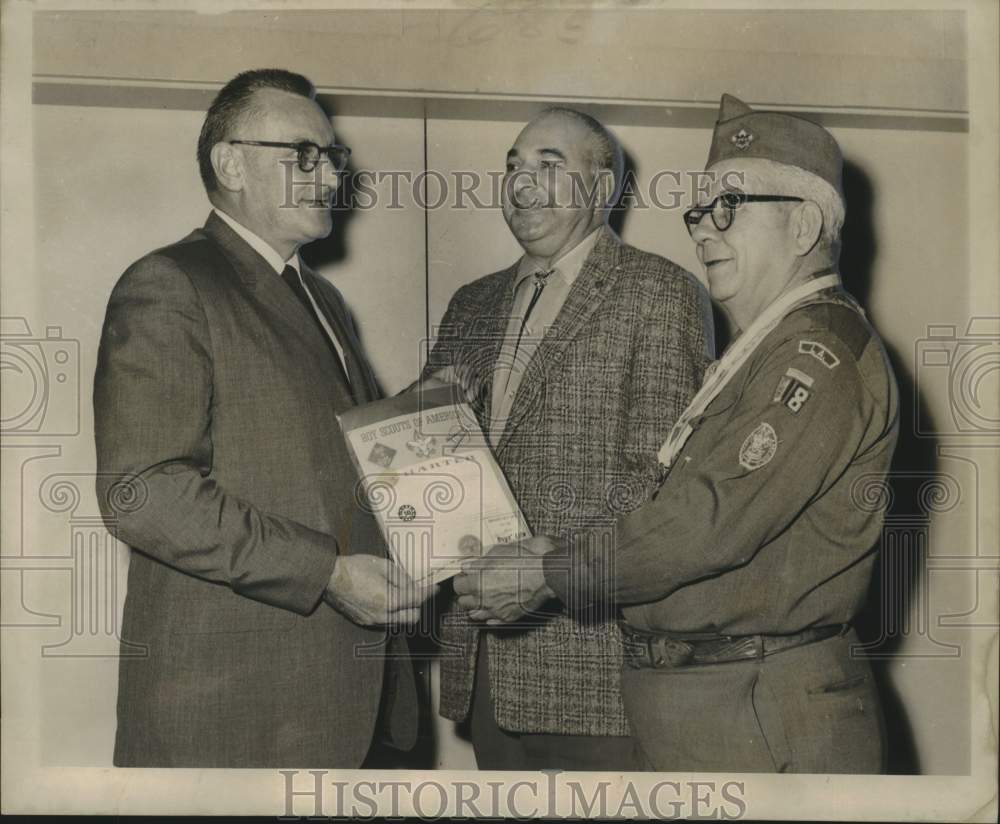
(283, 116)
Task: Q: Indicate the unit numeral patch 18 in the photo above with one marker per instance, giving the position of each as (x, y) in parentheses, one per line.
(793, 390)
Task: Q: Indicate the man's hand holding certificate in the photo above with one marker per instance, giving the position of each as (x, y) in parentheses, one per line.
(375, 592)
(429, 477)
(507, 583)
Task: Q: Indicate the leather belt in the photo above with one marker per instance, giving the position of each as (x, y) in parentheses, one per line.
(650, 650)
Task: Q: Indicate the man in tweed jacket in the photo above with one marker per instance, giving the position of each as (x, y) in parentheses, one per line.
(577, 359)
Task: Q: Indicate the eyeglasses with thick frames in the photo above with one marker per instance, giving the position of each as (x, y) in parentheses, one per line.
(723, 209)
(308, 153)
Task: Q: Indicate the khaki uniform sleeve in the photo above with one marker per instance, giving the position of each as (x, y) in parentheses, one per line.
(744, 476)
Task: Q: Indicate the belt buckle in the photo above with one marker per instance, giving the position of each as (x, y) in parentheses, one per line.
(637, 650)
(668, 652)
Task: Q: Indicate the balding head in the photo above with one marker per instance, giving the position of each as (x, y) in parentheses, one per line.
(603, 148)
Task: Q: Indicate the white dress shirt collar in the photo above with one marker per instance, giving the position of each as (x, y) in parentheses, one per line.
(261, 247)
(566, 267)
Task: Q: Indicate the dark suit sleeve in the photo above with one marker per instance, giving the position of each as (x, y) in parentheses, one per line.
(152, 420)
(760, 473)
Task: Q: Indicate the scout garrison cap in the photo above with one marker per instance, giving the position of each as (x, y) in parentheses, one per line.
(740, 132)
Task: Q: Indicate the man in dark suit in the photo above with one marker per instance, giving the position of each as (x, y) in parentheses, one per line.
(578, 359)
(223, 364)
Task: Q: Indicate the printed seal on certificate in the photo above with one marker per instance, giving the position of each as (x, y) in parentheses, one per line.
(428, 476)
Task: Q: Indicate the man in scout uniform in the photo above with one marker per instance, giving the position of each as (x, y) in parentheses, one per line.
(738, 582)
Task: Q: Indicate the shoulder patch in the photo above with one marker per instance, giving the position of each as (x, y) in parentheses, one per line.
(794, 389)
(759, 447)
(820, 352)
(851, 328)
(841, 320)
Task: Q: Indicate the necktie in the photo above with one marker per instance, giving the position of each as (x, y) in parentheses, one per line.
(291, 277)
(541, 278)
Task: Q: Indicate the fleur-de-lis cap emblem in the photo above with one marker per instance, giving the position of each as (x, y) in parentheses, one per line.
(742, 139)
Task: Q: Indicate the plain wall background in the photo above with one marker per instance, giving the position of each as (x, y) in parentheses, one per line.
(115, 181)
(130, 184)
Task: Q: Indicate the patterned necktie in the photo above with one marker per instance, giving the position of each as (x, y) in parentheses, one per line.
(291, 276)
(541, 278)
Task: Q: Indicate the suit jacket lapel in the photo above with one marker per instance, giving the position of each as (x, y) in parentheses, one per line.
(584, 299)
(359, 373)
(256, 273)
(260, 278)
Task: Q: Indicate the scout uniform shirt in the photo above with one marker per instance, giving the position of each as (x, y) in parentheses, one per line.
(767, 519)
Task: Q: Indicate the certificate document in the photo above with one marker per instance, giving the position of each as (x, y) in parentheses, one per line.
(428, 475)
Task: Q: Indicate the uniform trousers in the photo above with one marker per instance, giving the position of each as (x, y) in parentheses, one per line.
(809, 709)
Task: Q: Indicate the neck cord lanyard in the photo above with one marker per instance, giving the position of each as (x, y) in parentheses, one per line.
(734, 357)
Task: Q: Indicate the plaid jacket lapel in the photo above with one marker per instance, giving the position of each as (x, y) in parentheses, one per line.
(583, 300)
(493, 338)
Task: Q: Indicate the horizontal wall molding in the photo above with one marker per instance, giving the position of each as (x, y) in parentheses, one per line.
(837, 60)
(196, 96)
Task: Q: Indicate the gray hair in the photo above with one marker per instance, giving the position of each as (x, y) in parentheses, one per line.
(780, 178)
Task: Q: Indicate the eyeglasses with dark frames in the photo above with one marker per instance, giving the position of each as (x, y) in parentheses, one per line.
(308, 154)
(723, 209)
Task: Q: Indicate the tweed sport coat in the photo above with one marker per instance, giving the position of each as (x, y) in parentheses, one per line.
(605, 385)
(221, 464)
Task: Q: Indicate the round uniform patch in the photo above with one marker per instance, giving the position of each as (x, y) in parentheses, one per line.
(759, 447)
